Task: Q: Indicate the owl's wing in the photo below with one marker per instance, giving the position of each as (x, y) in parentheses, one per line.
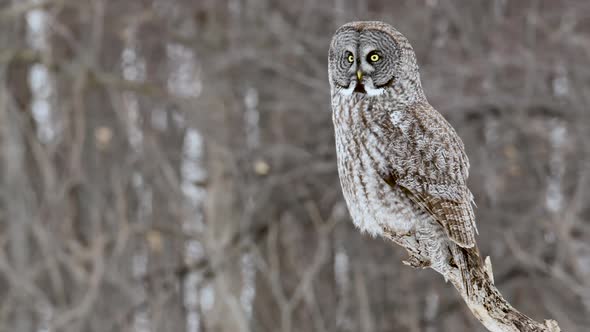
(432, 170)
(456, 217)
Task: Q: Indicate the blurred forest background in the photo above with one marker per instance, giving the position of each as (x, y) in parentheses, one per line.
(169, 165)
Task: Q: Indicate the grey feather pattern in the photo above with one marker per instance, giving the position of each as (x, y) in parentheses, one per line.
(402, 167)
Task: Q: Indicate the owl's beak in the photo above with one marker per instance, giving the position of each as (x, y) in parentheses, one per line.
(360, 87)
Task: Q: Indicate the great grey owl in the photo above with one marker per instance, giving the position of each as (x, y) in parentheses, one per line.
(402, 167)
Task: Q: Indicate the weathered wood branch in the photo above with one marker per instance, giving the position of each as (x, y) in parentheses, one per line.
(485, 302)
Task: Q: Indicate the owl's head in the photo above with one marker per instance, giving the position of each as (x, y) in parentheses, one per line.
(372, 58)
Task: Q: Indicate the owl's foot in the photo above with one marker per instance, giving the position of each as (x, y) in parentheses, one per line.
(417, 261)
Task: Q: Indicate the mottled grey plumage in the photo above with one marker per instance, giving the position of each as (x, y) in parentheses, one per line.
(402, 166)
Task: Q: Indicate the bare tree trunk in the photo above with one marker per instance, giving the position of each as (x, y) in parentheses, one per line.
(17, 196)
(16, 201)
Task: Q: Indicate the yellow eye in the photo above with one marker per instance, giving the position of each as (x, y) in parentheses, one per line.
(374, 57)
(350, 58)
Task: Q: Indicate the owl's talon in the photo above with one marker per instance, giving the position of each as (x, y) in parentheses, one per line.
(416, 262)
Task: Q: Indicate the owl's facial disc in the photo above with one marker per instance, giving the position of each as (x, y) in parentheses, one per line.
(363, 60)
(377, 60)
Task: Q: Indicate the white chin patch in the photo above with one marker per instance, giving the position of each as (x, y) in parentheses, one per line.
(373, 92)
(349, 90)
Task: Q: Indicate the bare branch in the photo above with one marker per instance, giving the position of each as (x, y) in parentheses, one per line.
(486, 303)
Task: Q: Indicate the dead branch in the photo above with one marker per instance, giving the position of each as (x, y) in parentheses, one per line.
(486, 303)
